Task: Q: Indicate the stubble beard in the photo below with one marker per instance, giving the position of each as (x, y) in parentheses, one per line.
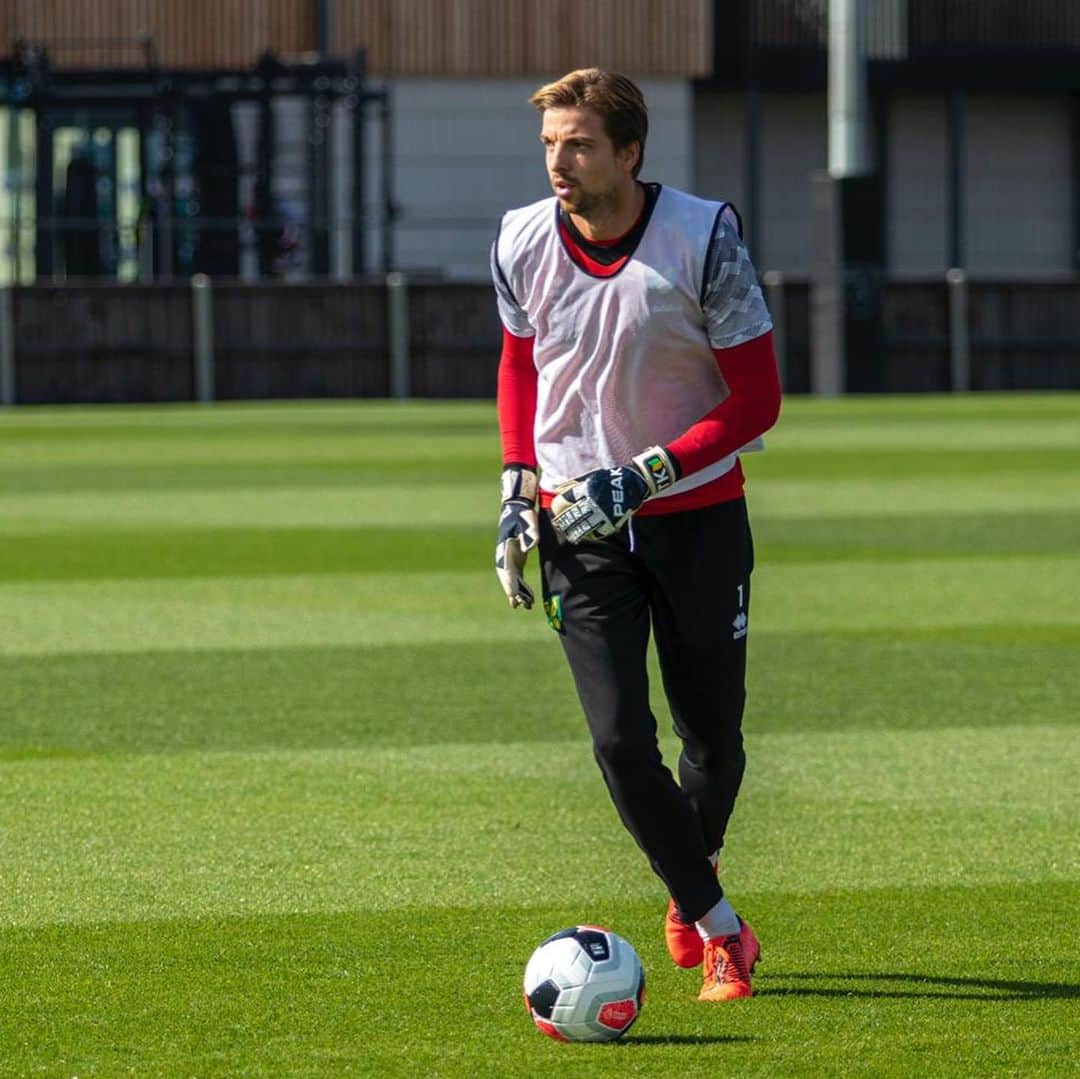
(593, 206)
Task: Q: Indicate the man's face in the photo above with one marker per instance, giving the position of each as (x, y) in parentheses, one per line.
(583, 165)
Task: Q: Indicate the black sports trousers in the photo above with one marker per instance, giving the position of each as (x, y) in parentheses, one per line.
(686, 576)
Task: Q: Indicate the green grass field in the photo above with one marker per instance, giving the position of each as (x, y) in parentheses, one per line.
(286, 788)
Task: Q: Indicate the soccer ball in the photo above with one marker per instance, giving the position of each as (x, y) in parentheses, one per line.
(585, 984)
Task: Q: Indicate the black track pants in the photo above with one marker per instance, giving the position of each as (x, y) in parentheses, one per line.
(687, 575)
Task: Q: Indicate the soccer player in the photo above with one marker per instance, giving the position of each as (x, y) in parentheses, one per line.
(637, 363)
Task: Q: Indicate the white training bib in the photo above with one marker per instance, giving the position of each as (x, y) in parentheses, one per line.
(625, 362)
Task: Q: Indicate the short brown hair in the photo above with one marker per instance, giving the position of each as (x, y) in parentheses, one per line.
(617, 100)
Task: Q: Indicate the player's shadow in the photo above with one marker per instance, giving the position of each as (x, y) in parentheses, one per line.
(914, 986)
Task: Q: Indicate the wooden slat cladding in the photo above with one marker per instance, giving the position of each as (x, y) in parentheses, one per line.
(230, 33)
(185, 33)
(80, 33)
(439, 38)
(507, 38)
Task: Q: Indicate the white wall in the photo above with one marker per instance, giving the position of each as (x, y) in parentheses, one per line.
(1018, 218)
(720, 147)
(917, 196)
(794, 143)
(465, 151)
(1016, 165)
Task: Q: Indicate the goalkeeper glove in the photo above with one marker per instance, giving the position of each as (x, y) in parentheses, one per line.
(600, 503)
(519, 532)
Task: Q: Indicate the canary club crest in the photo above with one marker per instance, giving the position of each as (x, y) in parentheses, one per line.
(553, 610)
(658, 469)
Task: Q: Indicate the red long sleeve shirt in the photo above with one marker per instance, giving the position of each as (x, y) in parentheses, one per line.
(749, 410)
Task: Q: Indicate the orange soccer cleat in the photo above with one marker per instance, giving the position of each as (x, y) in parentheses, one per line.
(684, 943)
(687, 949)
(751, 946)
(727, 970)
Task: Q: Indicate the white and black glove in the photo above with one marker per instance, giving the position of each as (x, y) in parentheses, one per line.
(519, 532)
(600, 503)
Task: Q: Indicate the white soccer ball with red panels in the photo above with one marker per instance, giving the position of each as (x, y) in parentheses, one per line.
(585, 984)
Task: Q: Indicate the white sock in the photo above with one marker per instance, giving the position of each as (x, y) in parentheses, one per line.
(718, 921)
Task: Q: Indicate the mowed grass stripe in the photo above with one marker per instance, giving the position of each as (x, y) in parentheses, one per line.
(367, 992)
(266, 470)
(269, 418)
(371, 443)
(784, 460)
(409, 695)
(357, 464)
(261, 418)
(993, 420)
(132, 837)
(418, 503)
(415, 504)
(240, 552)
(987, 595)
(431, 546)
(268, 612)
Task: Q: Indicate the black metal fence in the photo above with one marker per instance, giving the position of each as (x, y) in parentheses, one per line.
(1021, 336)
(114, 343)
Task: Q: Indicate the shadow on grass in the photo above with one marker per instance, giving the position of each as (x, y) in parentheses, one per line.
(680, 1039)
(921, 987)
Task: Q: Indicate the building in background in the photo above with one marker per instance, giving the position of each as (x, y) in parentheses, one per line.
(174, 118)
(324, 143)
(975, 128)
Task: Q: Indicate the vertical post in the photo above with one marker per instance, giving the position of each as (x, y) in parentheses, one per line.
(146, 248)
(1074, 139)
(847, 91)
(341, 250)
(359, 190)
(202, 314)
(45, 243)
(845, 295)
(166, 193)
(828, 341)
(16, 171)
(7, 348)
(324, 27)
(880, 107)
(318, 163)
(773, 282)
(357, 103)
(386, 167)
(955, 178)
(959, 340)
(397, 333)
